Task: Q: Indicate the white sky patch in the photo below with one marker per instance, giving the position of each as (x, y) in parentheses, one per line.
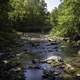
(51, 4)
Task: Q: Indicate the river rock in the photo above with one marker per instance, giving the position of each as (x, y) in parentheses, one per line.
(79, 52)
(53, 43)
(49, 61)
(69, 67)
(77, 77)
(53, 58)
(35, 61)
(44, 76)
(34, 67)
(50, 40)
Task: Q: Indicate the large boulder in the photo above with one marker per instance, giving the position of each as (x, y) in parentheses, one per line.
(53, 58)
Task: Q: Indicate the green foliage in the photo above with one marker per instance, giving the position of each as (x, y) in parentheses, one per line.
(67, 19)
(7, 40)
(26, 14)
(53, 17)
(18, 15)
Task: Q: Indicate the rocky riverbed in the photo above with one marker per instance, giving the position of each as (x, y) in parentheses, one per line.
(49, 63)
(47, 51)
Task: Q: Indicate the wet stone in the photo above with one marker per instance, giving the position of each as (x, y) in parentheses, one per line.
(54, 43)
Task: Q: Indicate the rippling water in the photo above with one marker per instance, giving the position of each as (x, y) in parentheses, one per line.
(44, 49)
(33, 74)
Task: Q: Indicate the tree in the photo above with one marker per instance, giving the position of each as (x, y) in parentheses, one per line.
(54, 17)
(4, 8)
(28, 14)
(68, 19)
(7, 35)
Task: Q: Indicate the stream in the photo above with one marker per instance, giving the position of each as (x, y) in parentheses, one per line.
(45, 49)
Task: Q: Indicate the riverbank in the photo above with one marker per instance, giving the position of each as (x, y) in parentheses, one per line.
(66, 75)
(50, 53)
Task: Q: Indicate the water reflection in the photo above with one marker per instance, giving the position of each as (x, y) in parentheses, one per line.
(45, 49)
(33, 74)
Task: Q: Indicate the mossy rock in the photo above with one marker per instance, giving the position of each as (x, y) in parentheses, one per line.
(67, 77)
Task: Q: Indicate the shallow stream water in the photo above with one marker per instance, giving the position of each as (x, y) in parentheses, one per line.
(45, 49)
